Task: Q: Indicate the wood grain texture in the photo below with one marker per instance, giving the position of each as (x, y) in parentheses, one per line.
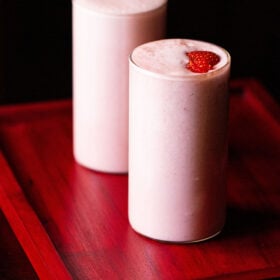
(13, 262)
(28, 229)
(84, 212)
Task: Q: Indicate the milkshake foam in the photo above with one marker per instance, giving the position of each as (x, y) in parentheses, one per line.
(122, 7)
(168, 57)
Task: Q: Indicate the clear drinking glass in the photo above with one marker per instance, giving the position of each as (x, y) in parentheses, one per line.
(104, 34)
(177, 142)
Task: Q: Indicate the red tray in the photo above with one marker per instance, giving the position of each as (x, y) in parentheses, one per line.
(72, 222)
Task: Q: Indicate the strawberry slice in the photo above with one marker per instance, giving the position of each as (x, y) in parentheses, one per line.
(202, 61)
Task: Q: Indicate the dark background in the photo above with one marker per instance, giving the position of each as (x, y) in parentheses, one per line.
(35, 42)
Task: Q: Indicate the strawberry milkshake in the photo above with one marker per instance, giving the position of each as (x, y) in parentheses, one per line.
(104, 34)
(178, 112)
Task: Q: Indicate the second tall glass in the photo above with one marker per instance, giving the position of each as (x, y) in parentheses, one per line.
(104, 34)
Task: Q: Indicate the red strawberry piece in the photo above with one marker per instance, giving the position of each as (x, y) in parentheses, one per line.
(202, 61)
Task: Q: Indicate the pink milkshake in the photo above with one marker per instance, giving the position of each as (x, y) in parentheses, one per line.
(178, 140)
(104, 34)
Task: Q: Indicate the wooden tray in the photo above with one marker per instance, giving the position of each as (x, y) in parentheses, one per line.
(72, 222)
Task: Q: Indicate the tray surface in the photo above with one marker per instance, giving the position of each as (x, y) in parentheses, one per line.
(76, 221)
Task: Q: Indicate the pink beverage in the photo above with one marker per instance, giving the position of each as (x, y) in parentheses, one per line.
(104, 34)
(177, 140)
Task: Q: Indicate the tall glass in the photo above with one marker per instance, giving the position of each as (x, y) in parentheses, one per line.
(177, 141)
(104, 34)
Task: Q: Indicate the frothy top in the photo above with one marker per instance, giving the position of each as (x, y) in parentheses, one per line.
(121, 7)
(168, 57)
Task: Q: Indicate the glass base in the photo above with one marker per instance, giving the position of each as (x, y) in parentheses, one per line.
(180, 242)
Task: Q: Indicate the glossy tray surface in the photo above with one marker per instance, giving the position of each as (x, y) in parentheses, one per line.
(73, 221)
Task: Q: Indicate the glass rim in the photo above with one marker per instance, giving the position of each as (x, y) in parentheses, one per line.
(103, 13)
